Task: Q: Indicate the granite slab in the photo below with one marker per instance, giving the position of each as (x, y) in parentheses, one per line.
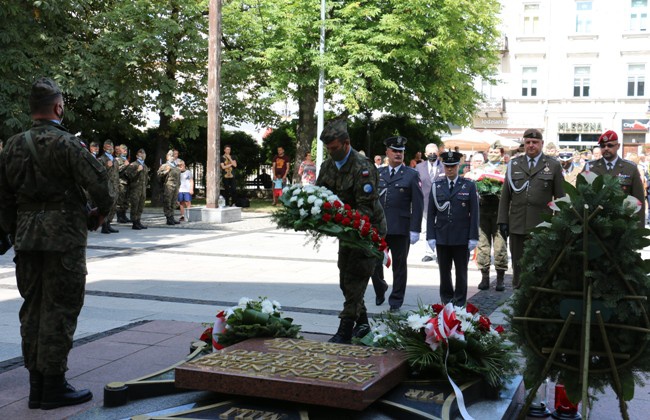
(304, 371)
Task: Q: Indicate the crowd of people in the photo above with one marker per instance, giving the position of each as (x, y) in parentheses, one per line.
(436, 195)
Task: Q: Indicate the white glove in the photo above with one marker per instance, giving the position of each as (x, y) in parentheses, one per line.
(415, 236)
(432, 244)
(472, 244)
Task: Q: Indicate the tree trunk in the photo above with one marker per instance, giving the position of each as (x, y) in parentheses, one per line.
(306, 130)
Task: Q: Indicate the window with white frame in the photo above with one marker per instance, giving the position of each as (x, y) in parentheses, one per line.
(636, 80)
(529, 81)
(581, 80)
(583, 16)
(531, 18)
(639, 15)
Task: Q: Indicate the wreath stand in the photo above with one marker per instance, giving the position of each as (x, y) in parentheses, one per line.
(616, 360)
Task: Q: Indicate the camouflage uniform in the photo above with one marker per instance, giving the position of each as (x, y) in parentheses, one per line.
(123, 187)
(113, 181)
(171, 185)
(138, 180)
(44, 207)
(489, 235)
(355, 184)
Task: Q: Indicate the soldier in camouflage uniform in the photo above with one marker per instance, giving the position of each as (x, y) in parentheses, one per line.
(354, 179)
(489, 235)
(137, 174)
(43, 174)
(108, 160)
(123, 190)
(170, 175)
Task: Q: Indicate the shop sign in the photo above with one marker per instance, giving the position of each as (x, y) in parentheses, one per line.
(637, 125)
(580, 127)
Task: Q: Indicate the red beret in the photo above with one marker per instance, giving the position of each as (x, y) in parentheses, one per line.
(608, 135)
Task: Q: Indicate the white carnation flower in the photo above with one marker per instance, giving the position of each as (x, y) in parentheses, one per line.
(318, 203)
(267, 307)
(276, 305)
(285, 189)
(309, 189)
(293, 199)
(417, 322)
(297, 191)
(332, 198)
(303, 213)
(301, 202)
(243, 302)
(315, 210)
(466, 326)
(311, 199)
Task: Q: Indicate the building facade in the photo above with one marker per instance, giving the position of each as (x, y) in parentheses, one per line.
(574, 69)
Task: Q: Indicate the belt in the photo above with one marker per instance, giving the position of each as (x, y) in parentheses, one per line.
(47, 206)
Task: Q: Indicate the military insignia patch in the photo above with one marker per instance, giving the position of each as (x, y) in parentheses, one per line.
(365, 173)
(367, 188)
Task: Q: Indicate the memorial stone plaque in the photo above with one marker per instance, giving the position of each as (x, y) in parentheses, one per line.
(304, 371)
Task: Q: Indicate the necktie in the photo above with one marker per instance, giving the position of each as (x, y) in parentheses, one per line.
(392, 172)
(431, 172)
(451, 185)
(531, 163)
(609, 166)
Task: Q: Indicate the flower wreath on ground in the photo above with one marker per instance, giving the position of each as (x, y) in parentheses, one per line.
(448, 340)
(249, 319)
(319, 212)
(554, 254)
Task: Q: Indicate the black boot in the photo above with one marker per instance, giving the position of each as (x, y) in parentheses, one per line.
(485, 280)
(105, 228)
(344, 333)
(121, 217)
(500, 281)
(176, 222)
(362, 326)
(111, 228)
(136, 226)
(170, 220)
(57, 392)
(35, 389)
(141, 225)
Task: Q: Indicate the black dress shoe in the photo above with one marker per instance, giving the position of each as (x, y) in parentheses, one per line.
(379, 299)
(394, 309)
(427, 258)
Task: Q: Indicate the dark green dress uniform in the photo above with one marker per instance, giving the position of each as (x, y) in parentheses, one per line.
(524, 199)
(113, 171)
(355, 183)
(171, 177)
(43, 205)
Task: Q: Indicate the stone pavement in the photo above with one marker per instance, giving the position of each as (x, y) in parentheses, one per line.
(181, 276)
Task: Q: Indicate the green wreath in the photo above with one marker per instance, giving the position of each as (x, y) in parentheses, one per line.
(558, 268)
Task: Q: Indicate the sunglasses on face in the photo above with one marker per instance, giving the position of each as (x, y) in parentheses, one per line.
(608, 145)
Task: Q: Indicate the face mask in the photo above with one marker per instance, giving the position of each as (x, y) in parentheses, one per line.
(432, 157)
(123, 155)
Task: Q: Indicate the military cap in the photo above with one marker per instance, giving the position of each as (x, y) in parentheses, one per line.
(44, 89)
(396, 143)
(335, 129)
(451, 158)
(533, 133)
(566, 155)
(608, 135)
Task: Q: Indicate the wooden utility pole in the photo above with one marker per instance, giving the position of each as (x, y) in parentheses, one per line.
(213, 167)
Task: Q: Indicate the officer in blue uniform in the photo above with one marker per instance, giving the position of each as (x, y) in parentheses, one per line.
(452, 227)
(401, 198)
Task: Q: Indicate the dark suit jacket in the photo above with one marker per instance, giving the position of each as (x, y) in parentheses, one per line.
(523, 210)
(628, 175)
(459, 223)
(401, 199)
(425, 179)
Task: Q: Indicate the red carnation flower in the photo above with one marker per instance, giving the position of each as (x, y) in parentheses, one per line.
(382, 245)
(499, 329)
(471, 308)
(484, 323)
(437, 308)
(357, 215)
(347, 207)
(337, 204)
(375, 237)
(365, 218)
(327, 217)
(349, 213)
(346, 222)
(338, 217)
(356, 224)
(327, 205)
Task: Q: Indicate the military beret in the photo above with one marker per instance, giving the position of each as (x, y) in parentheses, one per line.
(533, 133)
(44, 89)
(335, 129)
(608, 135)
(451, 158)
(396, 143)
